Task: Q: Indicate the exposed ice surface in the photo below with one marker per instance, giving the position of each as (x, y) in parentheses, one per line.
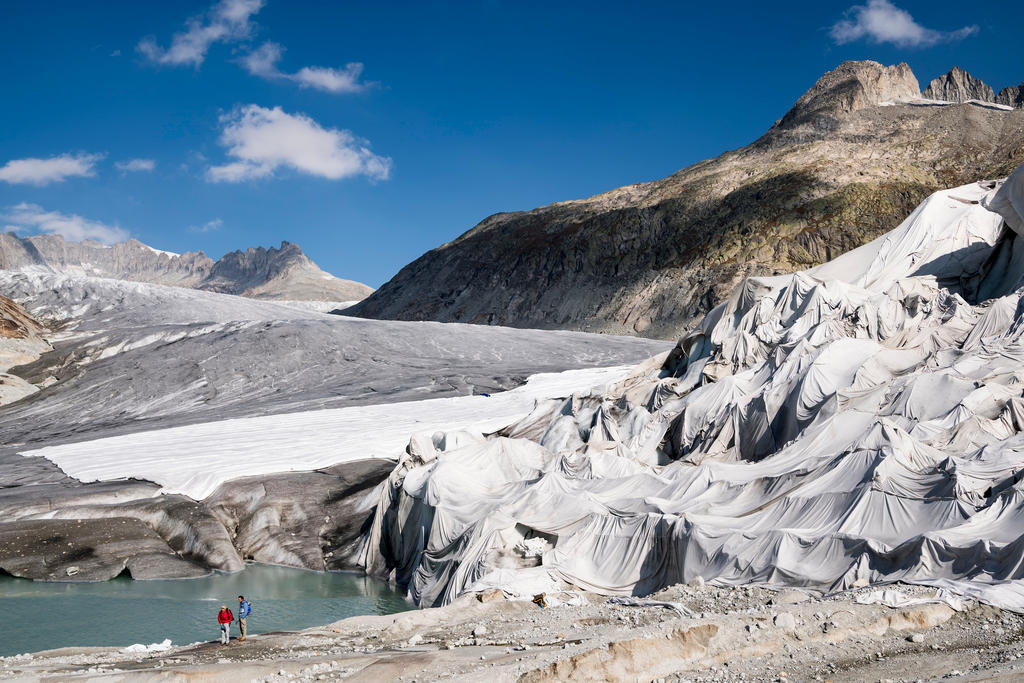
(859, 422)
(318, 306)
(135, 357)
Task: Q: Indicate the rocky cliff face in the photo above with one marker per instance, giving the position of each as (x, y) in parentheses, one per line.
(21, 341)
(959, 86)
(836, 171)
(285, 273)
(1011, 96)
(15, 323)
(130, 260)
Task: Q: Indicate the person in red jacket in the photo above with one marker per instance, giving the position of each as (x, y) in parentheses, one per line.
(224, 618)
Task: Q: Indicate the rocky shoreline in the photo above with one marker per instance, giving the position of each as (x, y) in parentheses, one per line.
(683, 633)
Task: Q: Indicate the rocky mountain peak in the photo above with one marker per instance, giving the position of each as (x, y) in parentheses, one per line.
(259, 263)
(959, 86)
(850, 86)
(275, 273)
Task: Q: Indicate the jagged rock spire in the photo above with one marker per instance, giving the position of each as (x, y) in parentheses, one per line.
(959, 86)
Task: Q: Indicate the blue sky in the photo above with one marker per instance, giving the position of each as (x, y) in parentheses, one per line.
(257, 124)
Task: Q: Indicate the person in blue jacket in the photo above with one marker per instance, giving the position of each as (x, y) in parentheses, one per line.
(244, 610)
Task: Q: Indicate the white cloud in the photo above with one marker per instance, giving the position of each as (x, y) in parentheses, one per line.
(263, 62)
(135, 165)
(331, 80)
(227, 21)
(262, 140)
(52, 170)
(208, 226)
(34, 218)
(882, 22)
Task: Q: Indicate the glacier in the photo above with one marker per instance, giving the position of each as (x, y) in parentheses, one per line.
(856, 423)
(188, 431)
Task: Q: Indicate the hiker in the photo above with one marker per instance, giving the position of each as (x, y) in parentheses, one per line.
(224, 618)
(244, 610)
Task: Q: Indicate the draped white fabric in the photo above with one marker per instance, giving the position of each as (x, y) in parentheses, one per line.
(859, 421)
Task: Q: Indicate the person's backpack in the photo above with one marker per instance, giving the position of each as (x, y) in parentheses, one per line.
(248, 608)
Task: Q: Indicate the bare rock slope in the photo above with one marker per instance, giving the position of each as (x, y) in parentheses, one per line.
(852, 158)
(21, 341)
(285, 273)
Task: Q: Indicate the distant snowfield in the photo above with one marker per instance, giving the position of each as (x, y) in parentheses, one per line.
(194, 460)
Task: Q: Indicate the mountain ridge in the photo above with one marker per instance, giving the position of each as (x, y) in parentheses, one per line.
(853, 156)
(274, 273)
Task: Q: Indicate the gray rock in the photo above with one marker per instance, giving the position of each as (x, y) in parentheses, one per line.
(958, 86)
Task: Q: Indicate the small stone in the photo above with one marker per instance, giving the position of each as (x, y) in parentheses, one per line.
(697, 582)
(480, 631)
(489, 595)
(916, 638)
(785, 620)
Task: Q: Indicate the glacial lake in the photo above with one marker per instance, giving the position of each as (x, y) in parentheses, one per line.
(38, 616)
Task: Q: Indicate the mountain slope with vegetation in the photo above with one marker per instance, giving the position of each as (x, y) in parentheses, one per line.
(847, 163)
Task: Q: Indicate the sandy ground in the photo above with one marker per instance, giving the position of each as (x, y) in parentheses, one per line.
(742, 634)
